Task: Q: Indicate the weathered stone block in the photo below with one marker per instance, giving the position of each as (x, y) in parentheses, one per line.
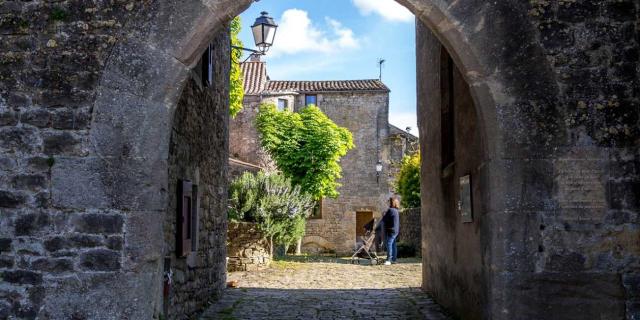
(55, 244)
(52, 265)
(84, 241)
(8, 118)
(63, 119)
(631, 282)
(63, 143)
(573, 262)
(100, 260)
(103, 296)
(5, 245)
(11, 199)
(29, 224)
(98, 223)
(144, 122)
(22, 277)
(40, 164)
(565, 296)
(115, 243)
(6, 262)
(19, 138)
(36, 117)
(7, 164)
(108, 183)
(143, 240)
(32, 182)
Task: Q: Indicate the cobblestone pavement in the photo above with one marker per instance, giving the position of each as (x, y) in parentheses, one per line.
(327, 290)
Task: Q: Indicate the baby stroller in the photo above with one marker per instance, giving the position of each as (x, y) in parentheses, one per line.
(366, 250)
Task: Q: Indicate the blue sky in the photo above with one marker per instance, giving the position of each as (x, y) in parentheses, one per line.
(340, 40)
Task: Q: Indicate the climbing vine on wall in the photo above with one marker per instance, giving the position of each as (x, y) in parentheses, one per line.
(306, 146)
(236, 90)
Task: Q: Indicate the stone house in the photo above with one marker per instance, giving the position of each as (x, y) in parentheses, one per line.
(362, 106)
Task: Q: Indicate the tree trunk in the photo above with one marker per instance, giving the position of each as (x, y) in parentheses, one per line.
(271, 246)
(299, 247)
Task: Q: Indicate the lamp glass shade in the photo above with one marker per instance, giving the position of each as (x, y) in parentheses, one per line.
(379, 167)
(264, 32)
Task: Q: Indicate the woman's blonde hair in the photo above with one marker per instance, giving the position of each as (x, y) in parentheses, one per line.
(394, 203)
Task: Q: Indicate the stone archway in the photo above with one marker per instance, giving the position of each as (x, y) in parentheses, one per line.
(138, 95)
(107, 177)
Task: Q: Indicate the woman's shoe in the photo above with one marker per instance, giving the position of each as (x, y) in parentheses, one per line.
(387, 263)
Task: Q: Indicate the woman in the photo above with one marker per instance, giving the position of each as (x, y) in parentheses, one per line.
(391, 225)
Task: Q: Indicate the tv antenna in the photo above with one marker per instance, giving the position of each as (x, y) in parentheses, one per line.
(380, 62)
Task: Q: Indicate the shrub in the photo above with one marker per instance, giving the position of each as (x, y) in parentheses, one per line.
(408, 181)
(278, 208)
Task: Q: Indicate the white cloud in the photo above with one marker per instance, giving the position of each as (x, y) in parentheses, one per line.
(298, 34)
(403, 120)
(388, 9)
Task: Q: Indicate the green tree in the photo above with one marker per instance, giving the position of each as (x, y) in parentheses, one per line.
(306, 146)
(408, 181)
(236, 89)
(278, 208)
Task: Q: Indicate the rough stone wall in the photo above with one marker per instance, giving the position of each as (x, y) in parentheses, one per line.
(87, 94)
(411, 228)
(244, 142)
(400, 144)
(453, 249)
(198, 152)
(57, 248)
(555, 90)
(365, 115)
(247, 248)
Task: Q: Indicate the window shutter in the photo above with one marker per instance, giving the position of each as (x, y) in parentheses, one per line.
(184, 218)
(194, 218)
(207, 67)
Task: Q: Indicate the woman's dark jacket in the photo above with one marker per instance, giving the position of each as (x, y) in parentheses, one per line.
(391, 221)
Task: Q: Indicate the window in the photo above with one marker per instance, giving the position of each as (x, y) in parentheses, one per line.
(310, 99)
(316, 212)
(187, 218)
(447, 120)
(283, 104)
(206, 63)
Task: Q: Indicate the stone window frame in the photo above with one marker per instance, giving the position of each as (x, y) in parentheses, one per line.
(306, 99)
(316, 212)
(285, 104)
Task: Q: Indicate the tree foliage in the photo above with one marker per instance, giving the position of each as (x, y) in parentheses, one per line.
(270, 200)
(236, 89)
(408, 181)
(306, 146)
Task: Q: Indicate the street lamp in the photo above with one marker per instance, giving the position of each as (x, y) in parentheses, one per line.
(264, 32)
(378, 170)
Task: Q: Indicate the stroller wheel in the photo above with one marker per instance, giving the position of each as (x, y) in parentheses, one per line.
(374, 262)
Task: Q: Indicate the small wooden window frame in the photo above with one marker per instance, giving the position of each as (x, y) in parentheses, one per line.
(186, 218)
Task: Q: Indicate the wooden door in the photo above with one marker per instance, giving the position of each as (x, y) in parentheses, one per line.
(362, 218)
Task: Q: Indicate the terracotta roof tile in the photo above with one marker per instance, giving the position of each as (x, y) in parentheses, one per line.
(326, 86)
(256, 82)
(254, 76)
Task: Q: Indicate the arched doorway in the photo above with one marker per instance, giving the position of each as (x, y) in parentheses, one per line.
(185, 52)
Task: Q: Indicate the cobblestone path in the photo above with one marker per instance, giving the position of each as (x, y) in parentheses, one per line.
(327, 290)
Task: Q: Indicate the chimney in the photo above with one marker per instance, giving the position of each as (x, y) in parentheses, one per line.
(254, 57)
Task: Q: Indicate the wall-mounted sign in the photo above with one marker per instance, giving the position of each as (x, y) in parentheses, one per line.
(465, 204)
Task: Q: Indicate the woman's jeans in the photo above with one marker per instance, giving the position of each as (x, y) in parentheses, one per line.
(392, 247)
